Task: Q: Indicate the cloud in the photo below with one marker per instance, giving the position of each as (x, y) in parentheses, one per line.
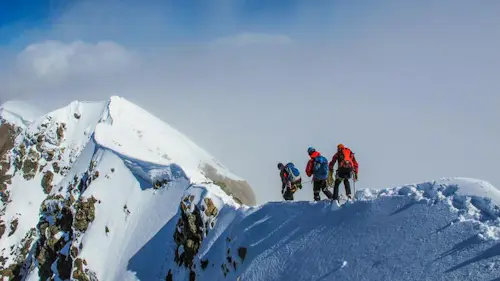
(55, 61)
(248, 38)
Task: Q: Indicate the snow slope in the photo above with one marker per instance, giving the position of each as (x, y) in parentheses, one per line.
(428, 231)
(106, 191)
(113, 151)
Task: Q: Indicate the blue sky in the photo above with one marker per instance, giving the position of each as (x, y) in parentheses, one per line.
(174, 21)
(411, 86)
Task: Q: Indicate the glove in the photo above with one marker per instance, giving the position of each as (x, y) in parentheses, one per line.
(329, 180)
(355, 176)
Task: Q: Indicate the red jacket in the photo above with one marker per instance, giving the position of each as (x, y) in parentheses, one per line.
(309, 167)
(336, 156)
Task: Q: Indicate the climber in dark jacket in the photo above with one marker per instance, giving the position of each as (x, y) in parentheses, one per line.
(289, 182)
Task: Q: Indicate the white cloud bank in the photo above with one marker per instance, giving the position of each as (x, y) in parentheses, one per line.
(54, 61)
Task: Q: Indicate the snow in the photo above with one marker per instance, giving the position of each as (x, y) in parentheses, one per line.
(448, 229)
(132, 151)
(20, 113)
(391, 234)
(137, 134)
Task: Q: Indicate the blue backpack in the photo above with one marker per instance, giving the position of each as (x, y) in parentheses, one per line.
(320, 168)
(293, 172)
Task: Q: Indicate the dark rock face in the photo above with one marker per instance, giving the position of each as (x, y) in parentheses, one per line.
(189, 239)
(58, 235)
(30, 165)
(54, 236)
(85, 214)
(8, 134)
(47, 181)
(16, 270)
(240, 190)
(192, 227)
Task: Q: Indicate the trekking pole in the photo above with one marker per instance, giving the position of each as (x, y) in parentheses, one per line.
(354, 186)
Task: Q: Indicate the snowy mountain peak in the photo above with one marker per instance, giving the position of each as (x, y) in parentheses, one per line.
(65, 171)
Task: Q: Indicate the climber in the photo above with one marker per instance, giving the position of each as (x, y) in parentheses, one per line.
(290, 180)
(317, 166)
(347, 164)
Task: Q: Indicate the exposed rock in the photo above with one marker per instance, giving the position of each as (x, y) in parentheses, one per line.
(169, 277)
(7, 136)
(74, 252)
(40, 138)
(77, 116)
(95, 175)
(240, 190)
(242, 252)
(53, 237)
(159, 183)
(13, 272)
(47, 182)
(41, 168)
(2, 228)
(78, 272)
(30, 165)
(210, 210)
(21, 152)
(55, 166)
(204, 264)
(85, 214)
(5, 181)
(50, 155)
(13, 226)
(190, 236)
(60, 132)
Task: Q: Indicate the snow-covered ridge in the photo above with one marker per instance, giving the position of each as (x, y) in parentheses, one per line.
(127, 129)
(106, 191)
(471, 199)
(439, 230)
(19, 113)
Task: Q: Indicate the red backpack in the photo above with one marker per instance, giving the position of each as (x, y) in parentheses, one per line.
(345, 159)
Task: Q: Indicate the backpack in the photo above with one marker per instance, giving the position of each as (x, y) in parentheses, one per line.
(345, 159)
(292, 172)
(320, 168)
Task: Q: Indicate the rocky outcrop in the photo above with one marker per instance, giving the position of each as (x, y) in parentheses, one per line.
(8, 134)
(231, 263)
(30, 165)
(61, 224)
(193, 225)
(189, 234)
(85, 214)
(47, 181)
(240, 190)
(55, 235)
(17, 268)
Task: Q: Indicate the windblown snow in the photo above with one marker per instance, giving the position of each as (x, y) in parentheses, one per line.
(106, 191)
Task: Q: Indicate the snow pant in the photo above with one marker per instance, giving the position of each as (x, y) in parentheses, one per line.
(343, 174)
(288, 194)
(320, 185)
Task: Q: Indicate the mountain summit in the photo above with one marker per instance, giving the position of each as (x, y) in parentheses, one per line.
(106, 191)
(64, 172)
